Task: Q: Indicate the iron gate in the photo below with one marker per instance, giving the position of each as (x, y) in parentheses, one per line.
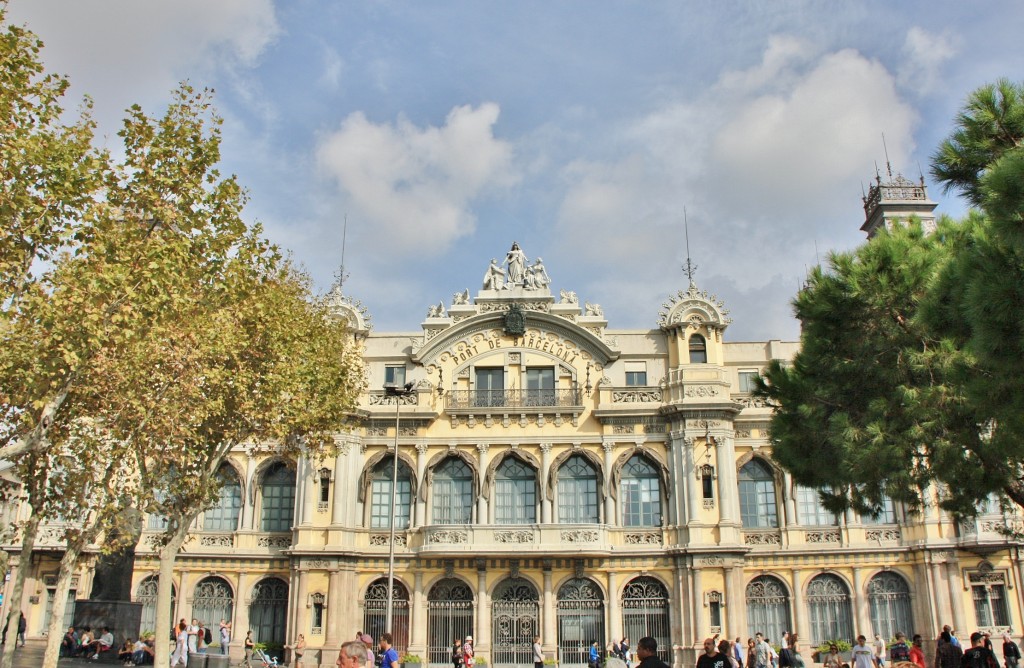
(515, 620)
(375, 613)
(449, 616)
(645, 613)
(580, 621)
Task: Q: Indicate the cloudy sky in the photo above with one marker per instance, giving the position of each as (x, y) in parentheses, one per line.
(446, 130)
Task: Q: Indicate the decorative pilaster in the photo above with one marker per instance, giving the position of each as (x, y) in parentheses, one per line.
(240, 621)
(860, 602)
(247, 507)
(690, 474)
(420, 517)
(728, 491)
(614, 609)
(549, 638)
(341, 492)
(481, 510)
(788, 503)
(309, 491)
(700, 620)
(733, 595)
(799, 603)
(418, 641)
(956, 587)
(545, 506)
(483, 615)
(332, 639)
(609, 501)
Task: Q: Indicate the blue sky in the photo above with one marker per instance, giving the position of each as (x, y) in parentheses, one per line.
(447, 130)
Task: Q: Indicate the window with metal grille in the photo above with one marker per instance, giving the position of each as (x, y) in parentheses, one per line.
(452, 492)
(767, 602)
(577, 492)
(278, 489)
(990, 605)
(641, 494)
(540, 386)
(146, 595)
(268, 611)
(889, 601)
(515, 493)
(757, 496)
(224, 515)
(380, 495)
(828, 606)
(317, 616)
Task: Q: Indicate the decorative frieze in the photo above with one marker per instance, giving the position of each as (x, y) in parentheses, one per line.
(513, 537)
(823, 536)
(701, 391)
(448, 537)
(579, 536)
(274, 541)
(770, 537)
(216, 540)
(381, 539)
(642, 538)
(644, 395)
(887, 535)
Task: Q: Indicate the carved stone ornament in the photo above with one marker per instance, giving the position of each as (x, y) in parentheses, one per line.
(381, 539)
(216, 540)
(274, 541)
(825, 536)
(711, 561)
(769, 537)
(700, 391)
(579, 536)
(882, 535)
(449, 568)
(515, 321)
(320, 564)
(448, 537)
(696, 307)
(646, 395)
(513, 537)
(642, 538)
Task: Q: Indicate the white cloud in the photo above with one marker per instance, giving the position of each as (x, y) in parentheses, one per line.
(415, 186)
(768, 161)
(926, 54)
(125, 51)
(333, 66)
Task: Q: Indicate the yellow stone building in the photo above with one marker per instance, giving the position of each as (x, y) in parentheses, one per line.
(562, 478)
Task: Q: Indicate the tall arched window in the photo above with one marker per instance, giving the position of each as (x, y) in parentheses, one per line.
(452, 492)
(645, 612)
(146, 595)
(828, 606)
(268, 611)
(224, 515)
(767, 607)
(757, 496)
(580, 620)
(640, 493)
(698, 349)
(810, 510)
(375, 612)
(889, 600)
(278, 498)
(212, 600)
(515, 493)
(380, 495)
(577, 492)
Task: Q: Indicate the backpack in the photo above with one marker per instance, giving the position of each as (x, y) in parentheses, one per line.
(975, 658)
(899, 652)
(208, 637)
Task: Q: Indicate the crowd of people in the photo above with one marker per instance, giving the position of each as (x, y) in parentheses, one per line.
(84, 643)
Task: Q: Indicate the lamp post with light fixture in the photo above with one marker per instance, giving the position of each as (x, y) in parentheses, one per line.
(392, 390)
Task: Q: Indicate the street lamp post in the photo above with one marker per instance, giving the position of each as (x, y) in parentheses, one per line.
(392, 390)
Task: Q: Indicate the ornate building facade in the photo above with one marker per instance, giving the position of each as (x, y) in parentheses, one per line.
(557, 477)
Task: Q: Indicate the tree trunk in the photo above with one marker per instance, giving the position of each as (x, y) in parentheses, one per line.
(28, 541)
(168, 553)
(55, 629)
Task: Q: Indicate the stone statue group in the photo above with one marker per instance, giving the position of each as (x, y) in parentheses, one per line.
(519, 272)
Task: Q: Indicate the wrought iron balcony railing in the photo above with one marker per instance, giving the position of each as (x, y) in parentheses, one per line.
(499, 399)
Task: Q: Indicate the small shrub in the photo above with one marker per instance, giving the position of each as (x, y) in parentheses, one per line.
(409, 658)
(843, 646)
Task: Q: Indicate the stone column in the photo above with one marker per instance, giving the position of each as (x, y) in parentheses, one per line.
(335, 601)
(549, 638)
(609, 500)
(420, 514)
(240, 622)
(341, 492)
(418, 617)
(483, 614)
(680, 620)
(728, 492)
(956, 597)
(672, 516)
(481, 511)
(309, 491)
(690, 475)
(860, 604)
(184, 598)
(943, 607)
(789, 518)
(614, 607)
(545, 472)
(301, 602)
(700, 620)
(801, 621)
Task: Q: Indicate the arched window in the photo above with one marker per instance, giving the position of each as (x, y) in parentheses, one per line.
(278, 498)
(449, 615)
(580, 619)
(212, 600)
(698, 349)
(146, 595)
(889, 600)
(810, 510)
(640, 493)
(268, 611)
(828, 606)
(767, 607)
(577, 492)
(452, 492)
(380, 495)
(515, 620)
(645, 612)
(757, 496)
(224, 515)
(515, 493)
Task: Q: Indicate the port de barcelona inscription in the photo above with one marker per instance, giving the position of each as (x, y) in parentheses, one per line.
(490, 341)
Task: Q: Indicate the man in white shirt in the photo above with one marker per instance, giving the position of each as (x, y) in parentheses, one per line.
(863, 656)
(879, 650)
